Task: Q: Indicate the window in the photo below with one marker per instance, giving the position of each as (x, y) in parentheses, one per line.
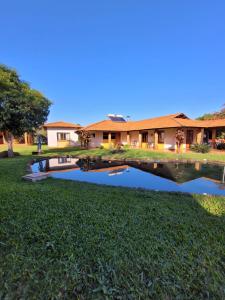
(93, 135)
(63, 160)
(144, 137)
(63, 136)
(161, 135)
(105, 135)
(113, 136)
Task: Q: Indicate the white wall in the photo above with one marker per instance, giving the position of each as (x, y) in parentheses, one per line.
(170, 138)
(134, 136)
(124, 138)
(97, 140)
(54, 162)
(52, 136)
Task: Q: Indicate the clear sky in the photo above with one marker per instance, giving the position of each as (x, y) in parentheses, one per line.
(138, 58)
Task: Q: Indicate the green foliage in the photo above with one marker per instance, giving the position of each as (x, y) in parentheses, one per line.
(221, 135)
(200, 148)
(221, 146)
(206, 117)
(72, 240)
(22, 109)
(213, 116)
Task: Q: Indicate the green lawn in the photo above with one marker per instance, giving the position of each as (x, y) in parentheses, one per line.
(130, 153)
(62, 239)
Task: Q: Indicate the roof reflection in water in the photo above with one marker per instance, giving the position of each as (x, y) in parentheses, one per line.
(173, 176)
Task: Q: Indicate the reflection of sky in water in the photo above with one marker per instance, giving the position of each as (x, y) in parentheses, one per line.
(132, 177)
(39, 166)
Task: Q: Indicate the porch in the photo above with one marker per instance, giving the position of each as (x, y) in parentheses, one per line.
(154, 139)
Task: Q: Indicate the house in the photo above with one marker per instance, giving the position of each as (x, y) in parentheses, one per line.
(155, 133)
(62, 134)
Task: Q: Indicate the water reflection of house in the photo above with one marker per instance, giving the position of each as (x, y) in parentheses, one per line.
(116, 170)
(181, 172)
(61, 163)
(176, 172)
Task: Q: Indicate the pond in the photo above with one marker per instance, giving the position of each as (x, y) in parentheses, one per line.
(201, 178)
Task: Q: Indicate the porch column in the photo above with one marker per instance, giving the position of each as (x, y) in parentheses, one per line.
(197, 166)
(156, 139)
(139, 139)
(25, 138)
(214, 137)
(128, 138)
(4, 140)
(200, 136)
(109, 138)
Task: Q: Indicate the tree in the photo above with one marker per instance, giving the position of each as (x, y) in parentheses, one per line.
(22, 109)
(179, 138)
(85, 137)
(214, 116)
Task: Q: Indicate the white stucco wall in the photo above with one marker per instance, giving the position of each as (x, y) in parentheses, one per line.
(170, 138)
(134, 135)
(52, 136)
(54, 162)
(97, 140)
(124, 138)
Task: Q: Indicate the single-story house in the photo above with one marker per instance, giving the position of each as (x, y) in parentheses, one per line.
(62, 134)
(155, 133)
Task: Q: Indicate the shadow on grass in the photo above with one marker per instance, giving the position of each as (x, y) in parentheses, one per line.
(65, 239)
(82, 240)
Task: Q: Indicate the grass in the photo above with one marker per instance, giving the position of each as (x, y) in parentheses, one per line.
(128, 154)
(63, 239)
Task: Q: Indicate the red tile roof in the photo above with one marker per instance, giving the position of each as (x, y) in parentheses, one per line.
(61, 124)
(169, 121)
(213, 123)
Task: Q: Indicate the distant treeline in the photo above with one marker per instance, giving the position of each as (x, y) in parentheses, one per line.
(214, 116)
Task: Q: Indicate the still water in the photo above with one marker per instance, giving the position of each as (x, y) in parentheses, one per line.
(196, 177)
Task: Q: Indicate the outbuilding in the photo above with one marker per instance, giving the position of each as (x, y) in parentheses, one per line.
(62, 134)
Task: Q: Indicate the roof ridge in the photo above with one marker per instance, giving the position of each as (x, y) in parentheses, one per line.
(91, 124)
(160, 117)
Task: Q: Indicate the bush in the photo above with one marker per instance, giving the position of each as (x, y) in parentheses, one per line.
(220, 146)
(200, 148)
(119, 148)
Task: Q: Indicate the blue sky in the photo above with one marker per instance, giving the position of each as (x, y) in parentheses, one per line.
(137, 58)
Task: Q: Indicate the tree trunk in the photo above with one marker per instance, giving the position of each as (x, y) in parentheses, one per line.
(9, 139)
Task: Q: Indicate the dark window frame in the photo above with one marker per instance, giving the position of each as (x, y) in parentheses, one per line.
(105, 135)
(63, 136)
(144, 137)
(161, 136)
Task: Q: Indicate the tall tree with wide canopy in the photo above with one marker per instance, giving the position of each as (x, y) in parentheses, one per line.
(22, 109)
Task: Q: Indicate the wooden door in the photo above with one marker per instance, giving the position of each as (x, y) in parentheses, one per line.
(189, 138)
(118, 138)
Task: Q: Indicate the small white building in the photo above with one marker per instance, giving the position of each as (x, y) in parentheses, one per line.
(62, 134)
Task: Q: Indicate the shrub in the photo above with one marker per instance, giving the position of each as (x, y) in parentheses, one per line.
(200, 148)
(126, 147)
(221, 146)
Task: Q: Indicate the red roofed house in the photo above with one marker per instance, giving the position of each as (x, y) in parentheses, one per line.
(155, 133)
(62, 134)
